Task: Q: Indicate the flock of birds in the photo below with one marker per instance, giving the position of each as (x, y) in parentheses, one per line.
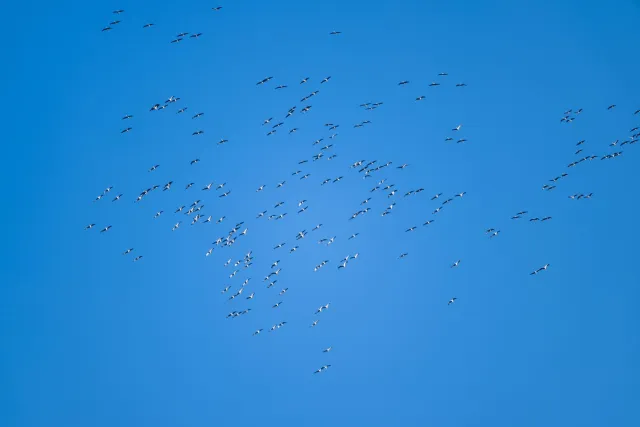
(367, 169)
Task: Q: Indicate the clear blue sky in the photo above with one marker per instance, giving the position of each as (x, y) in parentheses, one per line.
(90, 338)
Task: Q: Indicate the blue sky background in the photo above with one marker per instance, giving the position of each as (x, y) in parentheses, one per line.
(91, 338)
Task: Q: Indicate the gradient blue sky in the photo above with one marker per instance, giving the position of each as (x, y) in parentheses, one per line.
(90, 338)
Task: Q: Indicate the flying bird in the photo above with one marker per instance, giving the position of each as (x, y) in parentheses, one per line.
(543, 268)
(321, 369)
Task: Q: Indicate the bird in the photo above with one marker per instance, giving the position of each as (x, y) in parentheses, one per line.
(321, 369)
(543, 268)
(265, 80)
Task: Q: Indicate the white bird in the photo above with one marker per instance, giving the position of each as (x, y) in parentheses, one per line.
(322, 308)
(455, 264)
(544, 267)
(322, 368)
